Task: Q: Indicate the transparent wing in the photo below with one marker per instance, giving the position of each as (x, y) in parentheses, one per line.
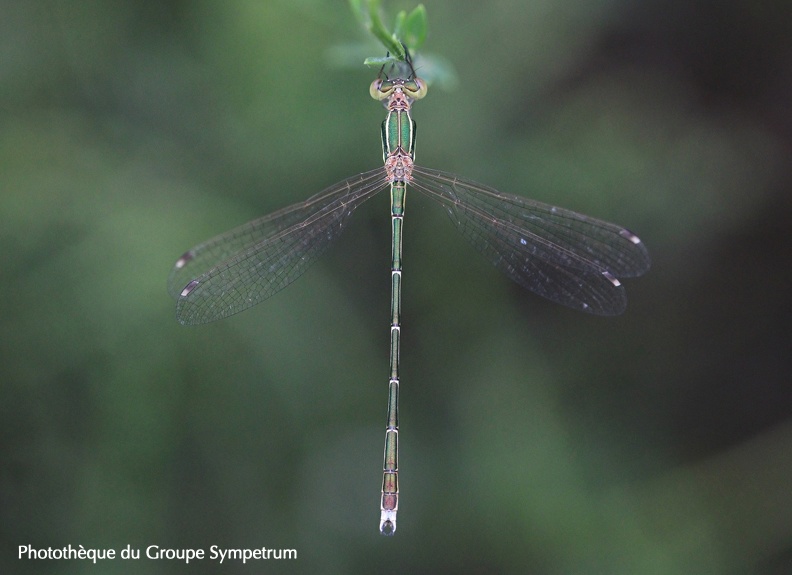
(567, 257)
(248, 264)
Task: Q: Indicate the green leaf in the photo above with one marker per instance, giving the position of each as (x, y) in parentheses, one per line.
(409, 31)
(380, 62)
(415, 28)
(377, 28)
(397, 28)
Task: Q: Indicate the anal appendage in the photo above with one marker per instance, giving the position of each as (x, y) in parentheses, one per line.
(388, 522)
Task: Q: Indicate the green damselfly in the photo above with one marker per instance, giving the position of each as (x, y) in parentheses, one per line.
(564, 256)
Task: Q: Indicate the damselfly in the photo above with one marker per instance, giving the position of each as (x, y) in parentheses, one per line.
(564, 256)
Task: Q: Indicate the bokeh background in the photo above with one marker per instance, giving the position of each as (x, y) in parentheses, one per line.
(534, 439)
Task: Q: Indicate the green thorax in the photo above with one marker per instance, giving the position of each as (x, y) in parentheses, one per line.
(398, 134)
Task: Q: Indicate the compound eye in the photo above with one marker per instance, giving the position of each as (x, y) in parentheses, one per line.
(381, 89)
(416, 88)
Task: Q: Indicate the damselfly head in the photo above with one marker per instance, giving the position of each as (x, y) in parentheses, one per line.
(384, 89)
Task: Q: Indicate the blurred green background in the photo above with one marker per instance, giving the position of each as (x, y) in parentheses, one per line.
(534, 439)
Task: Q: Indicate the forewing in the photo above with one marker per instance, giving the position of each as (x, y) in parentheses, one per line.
(248, 264)
(567, 257)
